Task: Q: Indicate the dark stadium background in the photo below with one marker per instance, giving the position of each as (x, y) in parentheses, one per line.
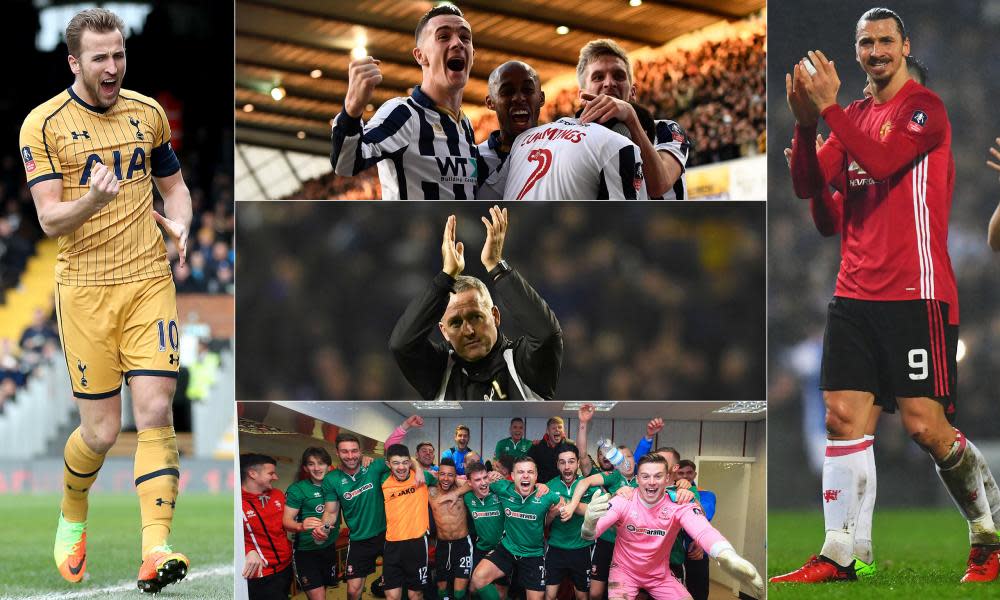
(656, 300)
(957, 43)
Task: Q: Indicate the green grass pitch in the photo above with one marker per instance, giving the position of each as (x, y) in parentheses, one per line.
(919, 554)
(203, 530)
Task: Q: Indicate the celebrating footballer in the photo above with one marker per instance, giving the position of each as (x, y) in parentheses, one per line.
(483, 533)
(892, 326)
(92, 155)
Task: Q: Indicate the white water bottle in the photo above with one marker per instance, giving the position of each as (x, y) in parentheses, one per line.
(613, 454)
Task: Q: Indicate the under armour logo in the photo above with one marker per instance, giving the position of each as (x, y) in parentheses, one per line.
(161, 502)
(77, 136)
(830, 495)
(83, 372)
(135, 123)
(174, 359)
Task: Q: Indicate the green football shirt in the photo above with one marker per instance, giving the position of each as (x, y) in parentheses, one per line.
(487, 519)
(677, 553)
(524, 519)
(612, 482)
(308, 498)
(511, 448)
(566, 535)
(360, 498)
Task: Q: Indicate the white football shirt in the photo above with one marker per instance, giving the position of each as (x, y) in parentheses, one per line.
(569, 160)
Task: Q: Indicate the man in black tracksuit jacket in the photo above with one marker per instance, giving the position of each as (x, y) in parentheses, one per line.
(478, 362)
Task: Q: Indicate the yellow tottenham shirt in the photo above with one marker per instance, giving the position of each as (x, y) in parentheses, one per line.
(63, 139)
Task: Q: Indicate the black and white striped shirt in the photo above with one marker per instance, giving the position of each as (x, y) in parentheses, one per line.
(670, 137)
(492, 158)
(423, 151)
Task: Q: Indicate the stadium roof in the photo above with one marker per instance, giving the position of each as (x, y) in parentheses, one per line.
(304, 47)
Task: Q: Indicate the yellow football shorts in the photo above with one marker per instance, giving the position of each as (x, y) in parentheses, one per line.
(110, 331)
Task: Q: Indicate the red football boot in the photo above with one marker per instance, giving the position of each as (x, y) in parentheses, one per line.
(984, 564)
(817, 569)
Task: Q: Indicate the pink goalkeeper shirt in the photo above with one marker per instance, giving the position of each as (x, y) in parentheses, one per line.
(646, 535)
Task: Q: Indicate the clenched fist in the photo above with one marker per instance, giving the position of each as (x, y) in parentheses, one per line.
(362, 77)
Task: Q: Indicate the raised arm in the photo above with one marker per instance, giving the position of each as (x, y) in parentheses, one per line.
(421, 361)
(540, 358)
(397, 435)
(653, 427)
(919, 125)
(355, 145)
(585, 414)
(993, 234)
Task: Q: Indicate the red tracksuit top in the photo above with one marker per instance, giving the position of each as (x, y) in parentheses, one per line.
(263, 532)
(893, 163)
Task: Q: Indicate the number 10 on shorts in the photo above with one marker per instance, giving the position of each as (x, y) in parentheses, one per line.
(918, 362)
(170, 333)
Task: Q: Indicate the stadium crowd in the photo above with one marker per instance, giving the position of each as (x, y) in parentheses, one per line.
(468, 500)
(803, 266)
(716, 92)
(688, 281)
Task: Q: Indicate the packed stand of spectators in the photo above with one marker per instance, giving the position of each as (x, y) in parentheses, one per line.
(653, 303)
(204, 147)
(803, 265)
(715, 92)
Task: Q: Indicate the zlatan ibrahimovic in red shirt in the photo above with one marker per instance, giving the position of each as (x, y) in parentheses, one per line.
(892, 327)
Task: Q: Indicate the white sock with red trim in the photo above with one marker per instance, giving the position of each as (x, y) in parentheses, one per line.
(960, 471)
(844, 477)
(863, 534)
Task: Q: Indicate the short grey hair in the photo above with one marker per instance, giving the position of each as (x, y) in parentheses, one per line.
(464, 283)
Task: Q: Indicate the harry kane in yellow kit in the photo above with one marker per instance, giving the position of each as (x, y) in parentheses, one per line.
(91, 156)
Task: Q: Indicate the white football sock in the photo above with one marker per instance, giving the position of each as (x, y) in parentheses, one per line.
(844, 475)
(990, 485)
(863, 534)
(960, 472)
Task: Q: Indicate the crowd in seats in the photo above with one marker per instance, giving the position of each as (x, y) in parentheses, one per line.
(715, 92)
(348, 271)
